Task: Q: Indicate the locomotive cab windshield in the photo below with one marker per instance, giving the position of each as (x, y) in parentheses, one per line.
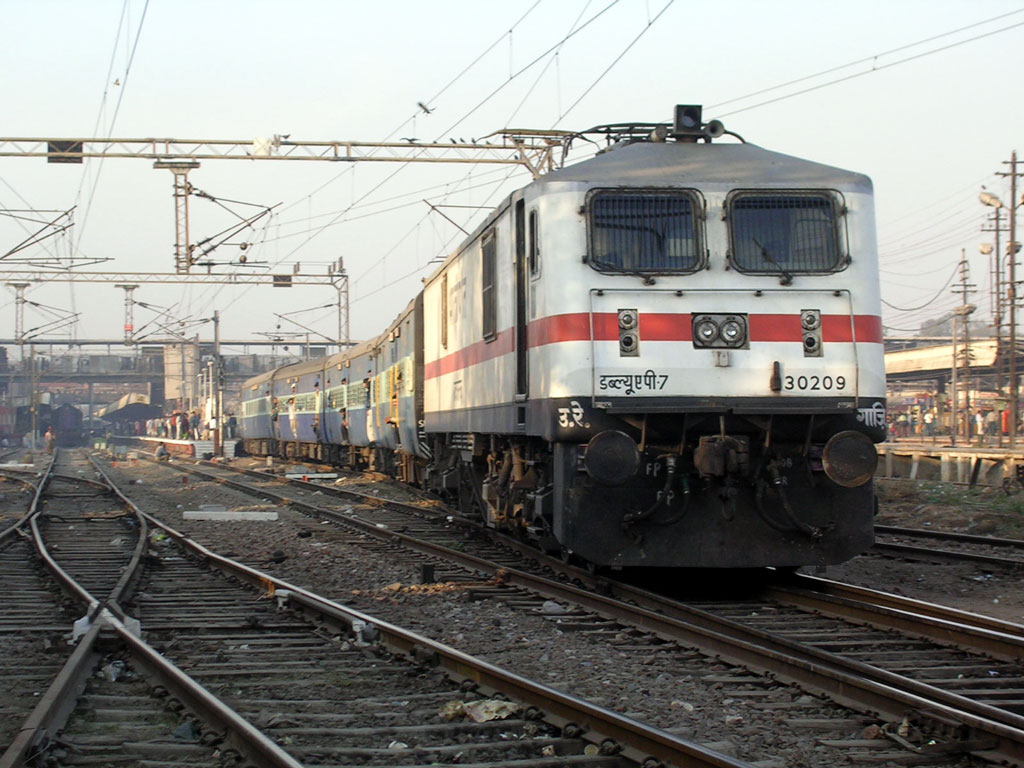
(644, 231)
(785, 233)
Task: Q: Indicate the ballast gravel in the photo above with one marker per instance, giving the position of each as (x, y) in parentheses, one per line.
(672, 688)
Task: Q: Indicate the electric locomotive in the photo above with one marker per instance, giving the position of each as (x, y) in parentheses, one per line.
(669, 354)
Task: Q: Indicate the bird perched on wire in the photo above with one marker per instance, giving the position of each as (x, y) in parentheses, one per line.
(424, 107)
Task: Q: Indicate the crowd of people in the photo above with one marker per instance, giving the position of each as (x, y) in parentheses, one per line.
(179, 425)
(982, 425)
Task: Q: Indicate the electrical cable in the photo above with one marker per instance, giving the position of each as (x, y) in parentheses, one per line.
(930, 301)
(617, 59)
(433, 98)
(874, 69)
(864, 60)
(110, 128)
(398, 170)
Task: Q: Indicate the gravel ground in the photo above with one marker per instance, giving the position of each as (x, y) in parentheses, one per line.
(976, 588)
(667, 687)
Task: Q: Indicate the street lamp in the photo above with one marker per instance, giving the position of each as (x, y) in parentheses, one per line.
(987, 198)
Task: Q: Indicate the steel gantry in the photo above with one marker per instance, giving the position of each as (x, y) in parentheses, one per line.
(533, 149)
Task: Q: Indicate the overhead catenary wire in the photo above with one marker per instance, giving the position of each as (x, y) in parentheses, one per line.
(930, 301)
(444, 89)
(571, 107)
(113, 120)
(864, 60)
(617, 59)
(398, 170)
(875, 68)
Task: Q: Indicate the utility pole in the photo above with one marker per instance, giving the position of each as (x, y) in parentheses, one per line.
(1011, 296)
(217, 387)
(129, 311)
(998, 303)
(964, 313)
(19, 315)
(34, 397)
(343, 317)
(954, 397)
(182, 190)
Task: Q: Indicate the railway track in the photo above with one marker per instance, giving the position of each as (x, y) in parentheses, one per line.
(947, 680)
(946, 545)
(280, 676)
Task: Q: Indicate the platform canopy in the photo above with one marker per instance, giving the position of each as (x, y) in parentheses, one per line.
(131, 407)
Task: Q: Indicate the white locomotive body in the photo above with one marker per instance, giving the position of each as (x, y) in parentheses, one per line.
(667, 355)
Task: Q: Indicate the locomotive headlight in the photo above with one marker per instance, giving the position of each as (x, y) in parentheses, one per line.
(810, 319)
(706, 331)
(849, 458)
(732, 332)
(720, 331)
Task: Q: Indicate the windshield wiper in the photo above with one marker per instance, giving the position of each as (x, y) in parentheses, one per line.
(787, 279)
(607, 266)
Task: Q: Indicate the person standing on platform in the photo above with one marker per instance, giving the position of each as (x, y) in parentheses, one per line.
(990, 423)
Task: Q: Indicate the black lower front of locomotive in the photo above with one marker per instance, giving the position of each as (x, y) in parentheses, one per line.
(787, 513)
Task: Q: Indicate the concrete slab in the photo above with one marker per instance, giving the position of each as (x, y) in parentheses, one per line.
(209, 514)
(312, 475)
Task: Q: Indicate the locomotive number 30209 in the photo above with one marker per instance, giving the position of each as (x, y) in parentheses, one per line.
(815, 383)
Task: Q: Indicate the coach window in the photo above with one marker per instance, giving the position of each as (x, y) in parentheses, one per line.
(644, 231)
(784, 233)
(489, 293)
(533, 254)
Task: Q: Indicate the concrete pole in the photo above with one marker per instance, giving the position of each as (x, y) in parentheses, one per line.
(1012, 292)
(218, 408)
(954, 424)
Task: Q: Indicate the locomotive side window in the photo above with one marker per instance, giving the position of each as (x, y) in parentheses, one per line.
(784, 233)
(444, 310)
(646, 231)
(533, 245)
(489, 293)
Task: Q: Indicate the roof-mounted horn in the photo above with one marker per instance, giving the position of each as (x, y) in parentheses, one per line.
(687, 124)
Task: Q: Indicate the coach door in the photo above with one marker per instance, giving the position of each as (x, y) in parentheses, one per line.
(522, 342)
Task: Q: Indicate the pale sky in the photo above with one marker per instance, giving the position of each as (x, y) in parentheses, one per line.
(929, 113)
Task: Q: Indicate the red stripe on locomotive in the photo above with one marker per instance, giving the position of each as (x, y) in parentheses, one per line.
(654, 326)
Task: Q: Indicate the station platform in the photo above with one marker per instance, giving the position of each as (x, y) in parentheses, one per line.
(967, 464)
(196, 449)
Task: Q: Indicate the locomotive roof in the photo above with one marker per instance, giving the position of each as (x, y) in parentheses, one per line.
(738, 165)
